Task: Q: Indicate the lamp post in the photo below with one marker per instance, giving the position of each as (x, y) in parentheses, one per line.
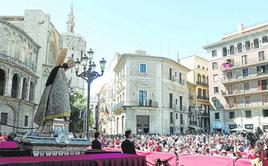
(88, 74)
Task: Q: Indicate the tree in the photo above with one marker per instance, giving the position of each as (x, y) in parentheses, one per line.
(91, 119)
(78, 105)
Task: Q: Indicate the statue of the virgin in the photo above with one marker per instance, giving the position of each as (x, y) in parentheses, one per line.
(55, 102)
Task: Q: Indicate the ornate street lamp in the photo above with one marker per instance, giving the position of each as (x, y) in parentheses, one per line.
(88, 74)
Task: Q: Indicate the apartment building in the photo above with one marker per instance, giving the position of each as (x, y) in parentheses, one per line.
(238, 75)
(150, 95)
(197, 80)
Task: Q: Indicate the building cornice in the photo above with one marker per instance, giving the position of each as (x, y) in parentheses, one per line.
(236, 35)
(20, 30)
(161, 59)
(21, 67)
(12, 99)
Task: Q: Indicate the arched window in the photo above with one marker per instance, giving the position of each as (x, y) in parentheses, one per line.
(2, 82)
(18, 47)
(24, 88)
(199, 78)
(15, 86)
(31, 97)
(203, 78)
(4, 40)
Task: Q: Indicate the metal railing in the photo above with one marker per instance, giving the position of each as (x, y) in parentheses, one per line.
(18, 62)
(252, 61)
(201, 83)
(123, 104)
(202, 97)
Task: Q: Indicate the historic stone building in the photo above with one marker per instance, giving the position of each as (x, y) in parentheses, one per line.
(149, 95)
(238, 79)
(76, 46)
(29, 46)
(18, 77)
(198, 79)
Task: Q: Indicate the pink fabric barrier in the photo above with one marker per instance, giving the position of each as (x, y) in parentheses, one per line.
(265, 163)
(112, 149)
(243, 162)
(197, 160)
(151, 157)
(8, 145)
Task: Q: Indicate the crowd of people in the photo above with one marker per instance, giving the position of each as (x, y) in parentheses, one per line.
(5, 137)
(235, 145)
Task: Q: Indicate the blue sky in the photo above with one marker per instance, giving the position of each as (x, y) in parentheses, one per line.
(160, 27)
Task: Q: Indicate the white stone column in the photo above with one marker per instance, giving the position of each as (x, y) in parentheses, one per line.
(9, 83)
(20, 82)
(28, 90)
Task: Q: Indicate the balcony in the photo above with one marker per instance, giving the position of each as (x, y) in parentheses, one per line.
(241, 78)
(31, 67)
(204, 114)
(261, 89)
(228, 66)
(148, 103)
(201, 83)
(202, 97)
(247, 106)
(177, 107)
(194, 123)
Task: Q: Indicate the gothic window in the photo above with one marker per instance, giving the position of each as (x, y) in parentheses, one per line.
(15, 86)
(2, 82)
(4, 38)
(18, 46)
(31, 96)
(28, 57)
(24, 88)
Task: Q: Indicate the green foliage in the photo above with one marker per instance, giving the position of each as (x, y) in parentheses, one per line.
(91, 119)
(78, 104)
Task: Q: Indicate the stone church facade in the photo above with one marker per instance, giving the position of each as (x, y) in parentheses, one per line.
(29, 45)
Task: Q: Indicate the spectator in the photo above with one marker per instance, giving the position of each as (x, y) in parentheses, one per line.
(2, 138)
(96, 143)
(128, 146)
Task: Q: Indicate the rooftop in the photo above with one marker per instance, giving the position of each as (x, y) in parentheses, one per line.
(242, 31)
(142, 54)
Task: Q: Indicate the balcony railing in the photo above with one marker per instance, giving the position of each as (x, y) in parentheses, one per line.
(226, 80)
(235, 65)
(149, 103)
(177, 107)
(16, 61)
(205, 114)
(202, 97)
(194, 123)
(201, 83)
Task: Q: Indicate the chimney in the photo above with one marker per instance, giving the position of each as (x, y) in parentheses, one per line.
(241, 27)
(140, 52)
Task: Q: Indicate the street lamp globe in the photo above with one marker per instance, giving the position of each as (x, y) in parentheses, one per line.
(85, 60)
(77, 64)
(90, 53)
(93, 66)
(102, 63)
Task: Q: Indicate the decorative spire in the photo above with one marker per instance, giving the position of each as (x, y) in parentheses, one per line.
(70, 23)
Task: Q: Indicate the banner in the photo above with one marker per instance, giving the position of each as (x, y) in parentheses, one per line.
(8, 145)
(243, 162)
(152, 157)
(197, 160)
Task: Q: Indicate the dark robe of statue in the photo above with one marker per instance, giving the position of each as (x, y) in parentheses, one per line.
(55, 102)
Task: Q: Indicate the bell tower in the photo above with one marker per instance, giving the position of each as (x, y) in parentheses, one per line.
(70, 22)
